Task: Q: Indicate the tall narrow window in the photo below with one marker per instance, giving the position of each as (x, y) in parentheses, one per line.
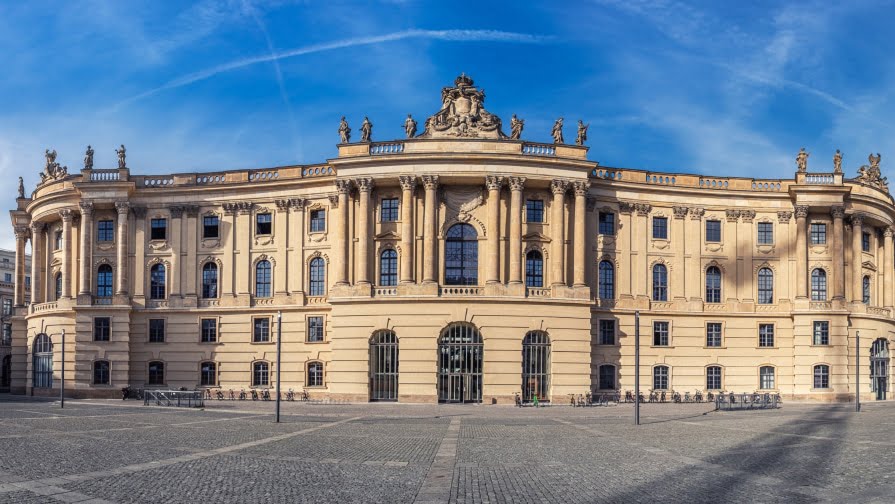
(713, 334)
(210, 281)
(818, 285)
(261, 331)
(263, 224)
(58, 286)
(461, 256)
(865, 241)
(713, 284)
(210, 226)
(156, 373)
(607, 223)
(102, 328)
(660, 282)
(766, 378)
(713, 378)
(388, 210)
(316, 284)
(821, 376)
(607, 280)
(765, 233)
(262, 279)
(158, 229)
(315, 329)
(766, 335)
(534, 269)
(260, 374)
(101, 372)
(865, 286)
(660, 378)
(534, 210)
(660, 334)
(105, 231)
(713, 231)
(104, 281)
(818, 233)
(388, 268)
(765, 286)
(318, 221)
(209, 330)
(157, 282)
(821, 332)
(660, 228)
(607, 377)
(57, 241)
(156, 330)
(607, 332)
(208, 374)
(315, 375)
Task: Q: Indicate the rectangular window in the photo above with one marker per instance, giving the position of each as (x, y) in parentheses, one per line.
(713, 231)
(713, 378)
(660, 333)
(821, 332)
(156, 330)
(865, 241)
(102, 328)
(534, 210)
(261, 333)
(315, 329)
(105, 231)
(158, 229)
(607, 332)
(388, 210)
(766, 377)
(660, 228)
(27, 282)
(318, 221)
(766, 335)
(765, 233)
(713, 334)
(262, 224)
(7, 306)
(818, 233)
(57, 241)
(607, 223)
(7, 277)
(6, 336)
(209, 330)
(607, 377)
(821, 376)
(210, 226)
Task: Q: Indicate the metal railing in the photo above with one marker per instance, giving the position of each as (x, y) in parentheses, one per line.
(178, 398)
(731, 401)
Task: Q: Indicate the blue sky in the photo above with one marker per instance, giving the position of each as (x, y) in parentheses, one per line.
(716, 87)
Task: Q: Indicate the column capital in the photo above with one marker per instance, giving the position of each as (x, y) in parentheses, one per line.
(697, 213)
(625, 207)
(334, 200)
(643, 208)
(364, 184)
(493, 183)
(888, 231)
(838, 211)
(21, 232)
(856, 219)
(36, 228)
(680, 212)
(581, 188)
(123, 207)
(176, 211)
(283, 205)
(298, 203)
(747, 215)
(558, 186)
(408, 182)
(784, 216)
(801, 211)
(516, 183)
(430, 181)
(191, 210)
(86, 208)
(343, 186)
(732, 215)
(67, 215)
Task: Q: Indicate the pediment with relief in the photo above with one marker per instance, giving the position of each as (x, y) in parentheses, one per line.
(536, 237)
(388, 235)
(867, 265)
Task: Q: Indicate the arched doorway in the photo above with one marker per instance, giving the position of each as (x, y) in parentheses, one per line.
(460, 352)
(879, 368)
(42, 355)
(6, 373)
(535, 366)
(384, 366)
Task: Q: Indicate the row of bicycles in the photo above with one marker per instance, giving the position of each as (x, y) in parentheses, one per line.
(255, 395)
(671, 396)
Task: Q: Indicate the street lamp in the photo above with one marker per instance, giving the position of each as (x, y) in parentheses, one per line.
(62, 386)
(637, 367)
(279, 348)
(857, 371)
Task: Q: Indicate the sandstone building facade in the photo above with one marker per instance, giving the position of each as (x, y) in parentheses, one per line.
(458, 264)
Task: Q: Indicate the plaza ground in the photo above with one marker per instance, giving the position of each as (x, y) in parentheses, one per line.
(121, 451)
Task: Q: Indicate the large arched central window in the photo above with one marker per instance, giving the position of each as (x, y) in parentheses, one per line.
(388, 268)
(210, 281)
(535, 366)
(42, 363)
(104, 281)
(660, 283)
(157, 282)
(461, 256)
(534, 269)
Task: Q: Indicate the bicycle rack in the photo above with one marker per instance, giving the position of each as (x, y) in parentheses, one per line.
(175, 398)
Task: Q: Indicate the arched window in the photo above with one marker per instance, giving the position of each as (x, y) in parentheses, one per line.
(606, 280)
(660, 283)
(818, 285)
(384, 366)
(607, 376)
(157, 282)
(101, 372)
(713, 378)
(208, 374)
(660, 378)
(821, 376)
(461, 256)
(42, 362)
(262, 279)
(713, 284)
(535, 366)
(317, 285)
(865, 285)
(156, 373)
(388, 268)
(210, 280)
(104, 281)
(460, 358)
(766, 378)
(765, 286)
(58, 286)
(315, 374)
(534, 269)
(260, 374)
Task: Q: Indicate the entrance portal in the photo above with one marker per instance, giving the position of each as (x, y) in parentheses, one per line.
(384, 366)
(879, 368)
(460, 352)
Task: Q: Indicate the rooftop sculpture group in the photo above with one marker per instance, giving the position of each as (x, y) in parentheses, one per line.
(871, 174)
(52, 169)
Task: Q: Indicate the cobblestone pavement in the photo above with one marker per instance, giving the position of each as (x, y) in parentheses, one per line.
(115, 451)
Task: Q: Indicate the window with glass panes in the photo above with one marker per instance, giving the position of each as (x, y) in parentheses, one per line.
(208, 376)
(713, 231)
(156, 373)
(534, 269)
(210, 226)
(865, 241)
(105, 231)
(821, 332)
(821, 376)
(156, 330)
(765, 233)
(606, 280)
(607, 377)
(7, 306)
(713, 334)
(158, 229)
(260, 374)
(818, 285)
(388, 210)
(209, 330)
(315, 329)
(766, 335)
(315, 374)
(660, 228)
(101, 374)
(263, 223)
(660, 333)
(713, 284)
(57, 241)
(660, 378)
(317, 271)
(660, 282)
(607, 223)
(102, 328)
(818, 233)
(865, 289)
(318, 221)
(607, 332)
(261, 331)
(766, 377)
(765, 286)
(713, 378)
(534, 210)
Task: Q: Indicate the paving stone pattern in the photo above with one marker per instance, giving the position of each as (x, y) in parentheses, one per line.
(233, 452)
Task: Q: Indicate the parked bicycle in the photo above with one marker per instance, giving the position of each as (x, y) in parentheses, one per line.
(242, 395)
(265, 395)
(290, 395)
(219, 394)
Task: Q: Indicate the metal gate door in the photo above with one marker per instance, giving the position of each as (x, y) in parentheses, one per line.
(5, 373)
(42, 362)
(460, 352)
(535, 366)
(879, 368)
(384, 366)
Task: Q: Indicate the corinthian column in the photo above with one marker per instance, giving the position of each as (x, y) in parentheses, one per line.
(408, 184)
(838, 213)
(19, 293)
(341, 276)
(516, 186)
(493, 273)
(887, 272)
(430, 182)
(67, 216)
(121, 257)
(580, 241)
(857, 232)
(86, 239)
(37, 258)
(557, 227)
(364, 187)
(801, 252)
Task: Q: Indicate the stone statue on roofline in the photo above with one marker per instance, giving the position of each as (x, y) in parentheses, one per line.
(409, 127)
(516, 126)
(463, 114)
(52, 169)
(21, 188)
(122, 157)
(366, 130)
(582, 132)
(88, 158)
(802, 160)
(837, 162)
(871, 175)
(556, 133)
(344, 131)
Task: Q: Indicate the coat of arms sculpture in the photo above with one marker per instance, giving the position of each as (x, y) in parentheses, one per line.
(462, 114)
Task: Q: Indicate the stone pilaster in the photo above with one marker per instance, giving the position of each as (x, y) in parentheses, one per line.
(364, 188)
(557, 233)
(887, 262)
(678, 235)
(838, 213)
(408, 186)
(580, 243)
(139, 279)
(37, 259)
(516, 186)
(492, 271)
(21, 237)
(341, 231)
(86, 254)
(693, 252)
(67, 216)
(801, 252)
(857, 232)
(123, 209)
(430, 249)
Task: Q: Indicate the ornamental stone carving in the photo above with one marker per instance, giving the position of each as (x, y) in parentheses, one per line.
(52, 169)
(516, 183)
(366, 130)
(408, 182)
(364, 184)
(344, 131)
(333, 201)
(239, 207)
(343, 186)
(871, 175)
(591, 203)
(88, 158)
(516, 126)
(122, 157)
(86, 208)
(282, 205)
(581, 188)
(558, 186)
(856, 219)
(747, 215)
(191, 210)
(409, 127)
(139, 211)
(625, 207)
(784, 216)
(462, 114)
(556, 132)
(430, 182)
(887, 231)
(697, 213)
(493, 183)
(733, 215)
(680, 212)
(22, 232)
(66, 215)
(643, 208)
(801, 211)
(176, 211)
(802, 160)
(838, 212)
(582, 132)
(837, 162)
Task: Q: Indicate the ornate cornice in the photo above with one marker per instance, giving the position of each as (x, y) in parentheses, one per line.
(239, 207)
(282, 204)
